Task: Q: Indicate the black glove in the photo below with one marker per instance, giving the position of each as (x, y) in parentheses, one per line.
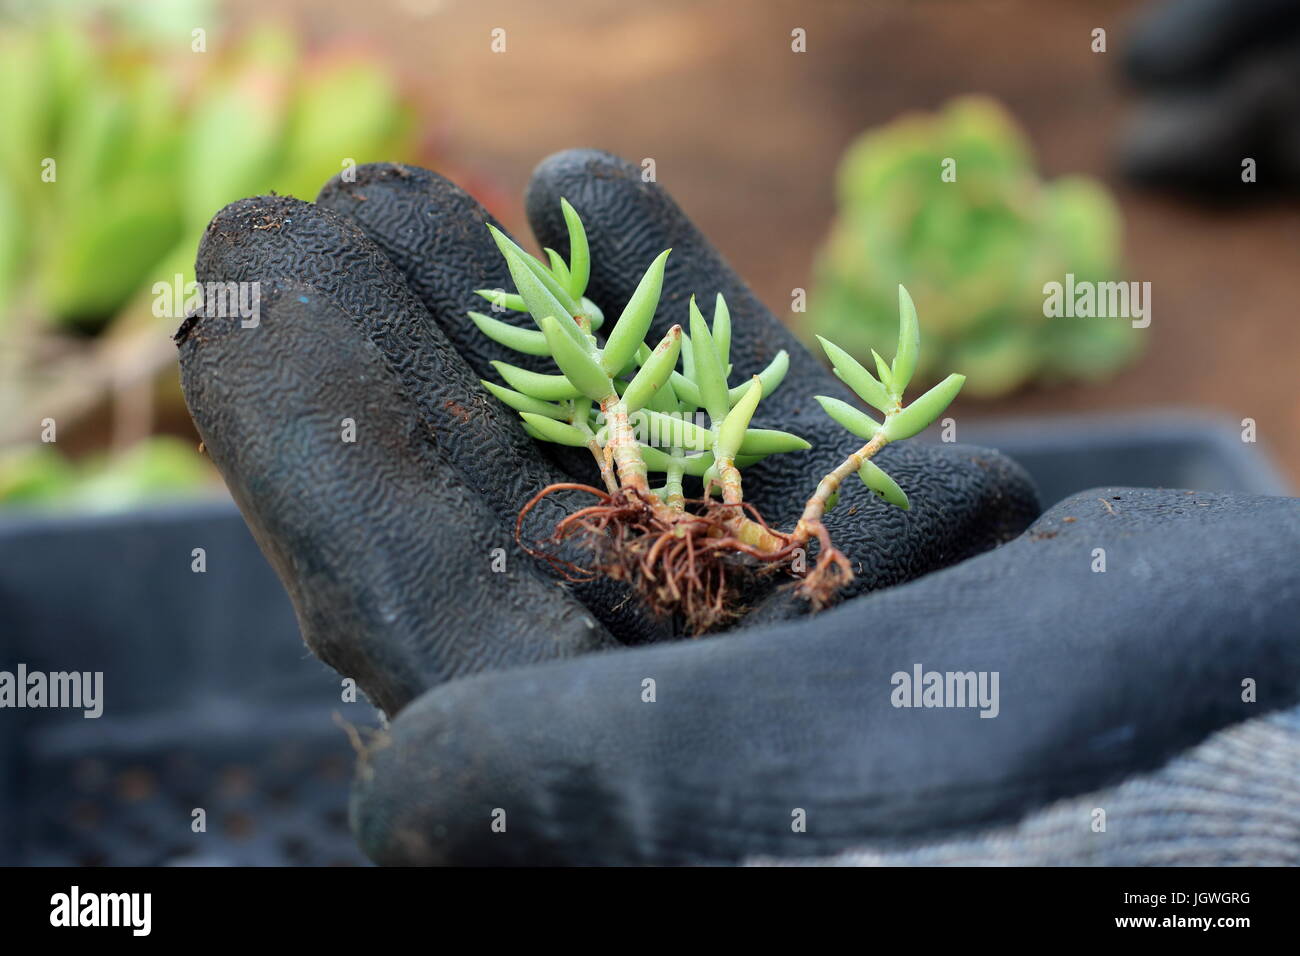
(385, 545)
(1101, 675)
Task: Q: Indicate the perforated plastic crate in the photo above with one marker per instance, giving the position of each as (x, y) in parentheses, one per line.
(211, 700)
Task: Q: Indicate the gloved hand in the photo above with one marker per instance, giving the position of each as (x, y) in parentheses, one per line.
(386, 545)
(373, 282)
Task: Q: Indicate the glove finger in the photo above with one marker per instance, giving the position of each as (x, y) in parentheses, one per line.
(278, 237)
(268, 238)
(401, 575)
(628, 223)
(964, 500)
(436, 234)
(793, 741)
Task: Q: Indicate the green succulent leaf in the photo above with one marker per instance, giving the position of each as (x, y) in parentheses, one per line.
(688, 360)
(655, 371)
(769, 441)
(533, 433)
(722, 331)
(506, 300)
(883, 485)
(686, 389)
(698, 464)
(577, 364)
(915, 418)
(579, 252)
(536, 294)
(527, 341)
(771, 377)
(886, 375)
(548, 388)
(630, 330)
(561, 433)
(854, 419)
(656, 459)
(523, 403)
(909, 342)
(710, 376)
(568, 303)
(625, 374)
(732, 431)
(559, 269)
(852, 373)
(665, 398)
(592, 312)
(673, 431)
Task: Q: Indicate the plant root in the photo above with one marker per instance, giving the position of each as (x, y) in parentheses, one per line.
(689, 564)
(831, 572)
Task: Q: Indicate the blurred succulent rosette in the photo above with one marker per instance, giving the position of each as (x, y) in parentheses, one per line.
(950, 205)
(126, 126)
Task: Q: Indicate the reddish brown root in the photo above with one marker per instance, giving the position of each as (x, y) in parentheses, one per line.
(686, 564)
(831, 572)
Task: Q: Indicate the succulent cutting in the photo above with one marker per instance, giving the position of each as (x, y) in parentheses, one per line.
(668, 410)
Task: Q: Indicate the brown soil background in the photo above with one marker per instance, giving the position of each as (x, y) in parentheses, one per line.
(746, 135)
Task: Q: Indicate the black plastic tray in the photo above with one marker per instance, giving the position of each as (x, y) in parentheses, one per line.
(1154, 450)
(211, 699)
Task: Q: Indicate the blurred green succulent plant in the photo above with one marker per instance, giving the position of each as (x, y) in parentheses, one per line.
(975, 252)
(39, 476)
(146, 142)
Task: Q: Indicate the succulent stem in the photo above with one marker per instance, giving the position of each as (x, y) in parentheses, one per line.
(674, 497)
(813, 511)
(622, 447)
(750, 532)
(729, 479)
(605, 464)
